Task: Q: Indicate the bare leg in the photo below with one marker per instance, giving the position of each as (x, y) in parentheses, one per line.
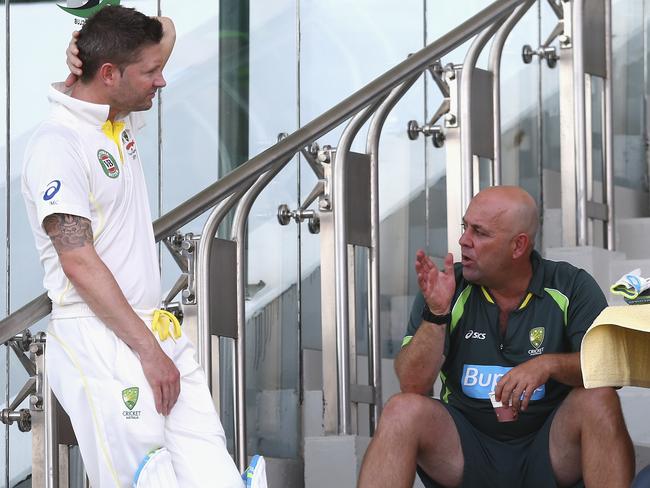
(588, 438)
(413, 429)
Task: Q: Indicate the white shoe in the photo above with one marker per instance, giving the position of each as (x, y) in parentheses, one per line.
(255, 474)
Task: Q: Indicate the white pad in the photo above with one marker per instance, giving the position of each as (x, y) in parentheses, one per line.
(156, 471)
(255, 474)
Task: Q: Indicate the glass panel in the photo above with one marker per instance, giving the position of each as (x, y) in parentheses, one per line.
(629, 96)
(596, 100)
(189, 116)
(29, 106)
(273, 332)
(550, 108)
(4, 430)
(520, 131)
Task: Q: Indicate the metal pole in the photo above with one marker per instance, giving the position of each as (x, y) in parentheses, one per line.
(341, 265)
(494, 63)
(239, 367)
(374, 329)
(467, 177)
(608, 137)
(203, 336)
(567, 130)
(51, 438)
(580, 123)
(589, 167)
(7, 212)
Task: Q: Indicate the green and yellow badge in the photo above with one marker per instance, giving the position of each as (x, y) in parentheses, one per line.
(536, 336)
(130, 397)
(87, 9)
(110, 167)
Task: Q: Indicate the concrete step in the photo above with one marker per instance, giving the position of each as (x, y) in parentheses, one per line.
(595, 260)
(632, 237)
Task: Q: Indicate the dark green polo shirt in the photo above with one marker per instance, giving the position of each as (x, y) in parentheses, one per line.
(561, 303)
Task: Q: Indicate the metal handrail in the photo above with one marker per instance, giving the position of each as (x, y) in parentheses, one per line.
(466, 79)
(209, 231)
(579, 103)
(372, 149)
(339, 202)
(238, 235)
(494, 63)
(210, 196)
(608, 132)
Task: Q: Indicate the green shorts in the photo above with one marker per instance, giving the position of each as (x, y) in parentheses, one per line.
(490, 463)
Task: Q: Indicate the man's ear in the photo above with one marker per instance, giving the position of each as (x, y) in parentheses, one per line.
(109, 73)
(520, 245)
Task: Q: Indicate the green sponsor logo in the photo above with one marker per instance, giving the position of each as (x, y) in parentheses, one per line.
(108, 164)
(130, 397)
(89, 8)
(536, 336)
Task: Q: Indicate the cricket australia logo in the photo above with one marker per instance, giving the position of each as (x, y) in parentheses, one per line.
(129, 144)
(85, 9)
(130, 399)
(108, 163)
(536, 337)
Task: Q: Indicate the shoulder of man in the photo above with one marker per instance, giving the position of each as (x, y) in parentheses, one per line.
(50, 138)
(570, 279)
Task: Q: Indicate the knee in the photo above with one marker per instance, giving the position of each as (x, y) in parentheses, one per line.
(407, 410)
(600, 405)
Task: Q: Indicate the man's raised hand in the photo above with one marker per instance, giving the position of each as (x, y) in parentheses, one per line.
(437, 286)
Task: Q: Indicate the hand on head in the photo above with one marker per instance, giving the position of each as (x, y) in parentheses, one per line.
(437, 286)
(72, 60)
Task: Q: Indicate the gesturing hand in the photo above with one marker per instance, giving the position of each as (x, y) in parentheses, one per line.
(520, 381)
(437, 286)
(163, 377)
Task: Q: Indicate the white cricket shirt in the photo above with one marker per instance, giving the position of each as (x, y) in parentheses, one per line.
(79, 163)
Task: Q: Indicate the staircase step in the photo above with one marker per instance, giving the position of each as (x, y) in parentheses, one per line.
(596, 261)
(632, 237)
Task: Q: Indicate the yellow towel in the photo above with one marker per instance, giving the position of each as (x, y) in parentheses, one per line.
(615, 350)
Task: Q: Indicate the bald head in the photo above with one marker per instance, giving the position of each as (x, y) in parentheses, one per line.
(515, 211)
(498, 238)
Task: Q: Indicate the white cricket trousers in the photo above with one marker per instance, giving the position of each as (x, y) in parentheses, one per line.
(99, 382)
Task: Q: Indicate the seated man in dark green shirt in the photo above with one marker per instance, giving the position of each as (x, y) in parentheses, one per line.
(504, 322)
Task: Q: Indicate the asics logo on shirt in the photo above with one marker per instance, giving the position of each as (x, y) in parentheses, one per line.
(52, 189)
(475, 335)
(479, 380)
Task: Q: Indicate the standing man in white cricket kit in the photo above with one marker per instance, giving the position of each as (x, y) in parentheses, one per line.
(122, 370)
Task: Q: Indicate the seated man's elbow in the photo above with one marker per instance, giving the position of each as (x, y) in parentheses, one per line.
(414, 380)
(416, 387)
(74, 266)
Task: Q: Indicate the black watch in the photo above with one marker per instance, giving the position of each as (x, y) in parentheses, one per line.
(429, 316)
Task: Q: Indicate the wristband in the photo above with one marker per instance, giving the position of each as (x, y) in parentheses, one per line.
(429, 316)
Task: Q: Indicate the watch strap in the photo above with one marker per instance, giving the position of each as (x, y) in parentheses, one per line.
(429, 316)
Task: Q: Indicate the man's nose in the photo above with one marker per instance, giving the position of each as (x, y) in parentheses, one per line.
(464, 239)
(160, 81)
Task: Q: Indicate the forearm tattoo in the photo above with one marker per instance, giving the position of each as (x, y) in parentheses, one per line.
(68, 231)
